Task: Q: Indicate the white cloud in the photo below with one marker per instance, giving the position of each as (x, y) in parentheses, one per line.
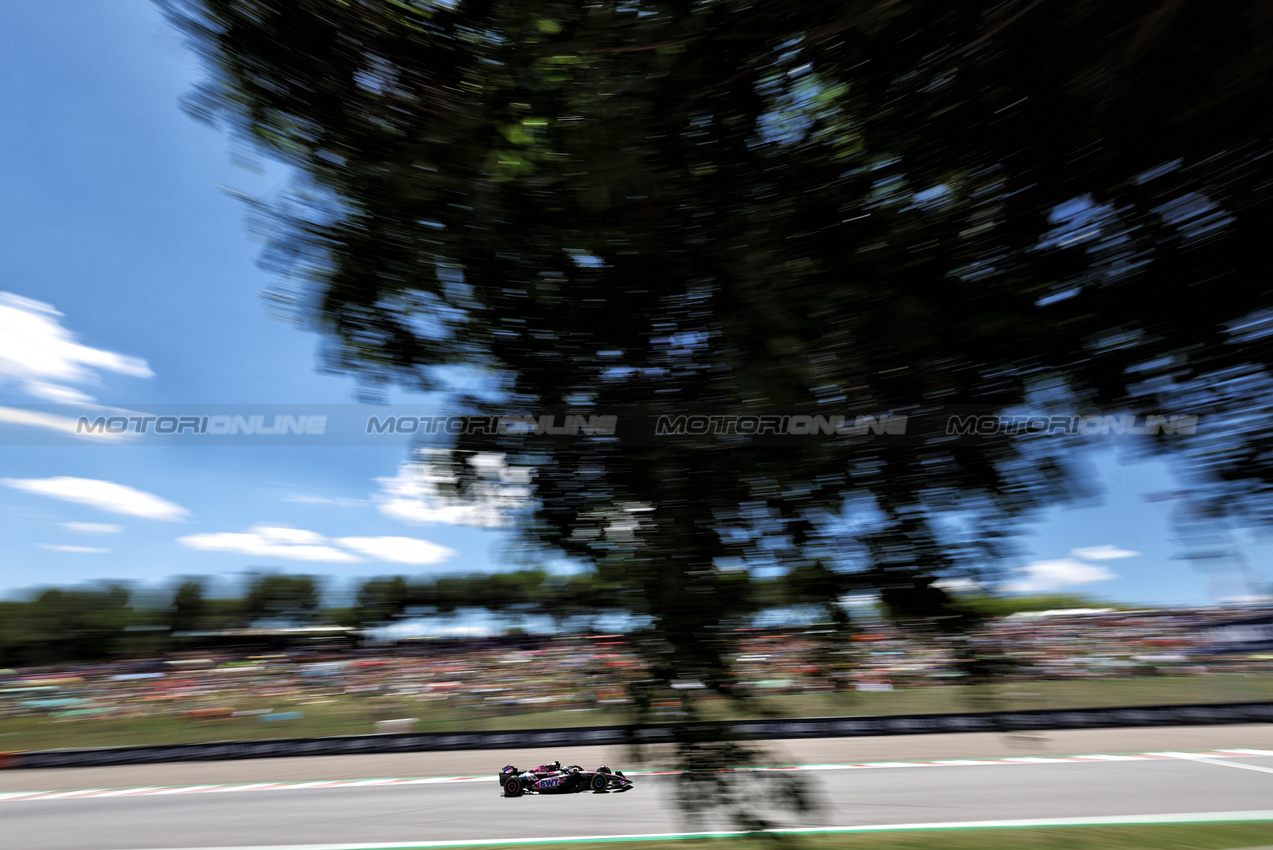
(338, 501)
(398, 550)
(43, 357)
(53, 422)
(104, 495)
(56, 393)
(57, 547)
(93, 527)
(1043, 576)
(293, 544)
(289, 536)
(418, 493)
(301, 545)
(298, 544)
(1103, 553)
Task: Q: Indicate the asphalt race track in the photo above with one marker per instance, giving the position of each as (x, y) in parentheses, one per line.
(402, 814)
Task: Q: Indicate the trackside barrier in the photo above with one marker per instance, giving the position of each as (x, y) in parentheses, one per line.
(808, 727)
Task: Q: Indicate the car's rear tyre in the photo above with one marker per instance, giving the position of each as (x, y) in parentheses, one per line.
(513, 787)
(599, 782)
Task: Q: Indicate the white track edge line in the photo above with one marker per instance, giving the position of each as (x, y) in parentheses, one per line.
(1219, 757)
(1024, 823)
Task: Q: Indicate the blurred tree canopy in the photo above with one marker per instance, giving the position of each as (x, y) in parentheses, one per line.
(280, 597)
(66, 624)
(189, 608)
(847, 206)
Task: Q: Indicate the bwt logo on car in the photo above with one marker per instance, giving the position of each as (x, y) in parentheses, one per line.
(219, 425)
(549, 783)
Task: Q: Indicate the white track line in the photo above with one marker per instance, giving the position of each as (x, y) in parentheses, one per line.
(1248, 752)
(1105, 820)
(123, 791)
(358, 783)
(1219, 757)
(62, 794)
(1218, 762)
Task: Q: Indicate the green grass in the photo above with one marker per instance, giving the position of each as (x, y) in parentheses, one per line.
(355, 715)
(349, 716)
(1173, 837)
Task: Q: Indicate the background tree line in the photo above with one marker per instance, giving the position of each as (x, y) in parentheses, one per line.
(114, 622)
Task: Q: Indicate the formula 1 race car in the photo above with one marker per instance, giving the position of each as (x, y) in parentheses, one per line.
(556, 779)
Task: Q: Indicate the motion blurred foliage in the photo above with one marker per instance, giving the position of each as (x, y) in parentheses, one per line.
(189, 609)
(573, 601)
(846, 206)
(67, 624)
(290, 599)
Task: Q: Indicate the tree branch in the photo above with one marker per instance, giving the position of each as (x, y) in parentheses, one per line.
(844, 23)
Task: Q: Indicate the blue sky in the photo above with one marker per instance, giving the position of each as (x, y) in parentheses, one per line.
(130, 279)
